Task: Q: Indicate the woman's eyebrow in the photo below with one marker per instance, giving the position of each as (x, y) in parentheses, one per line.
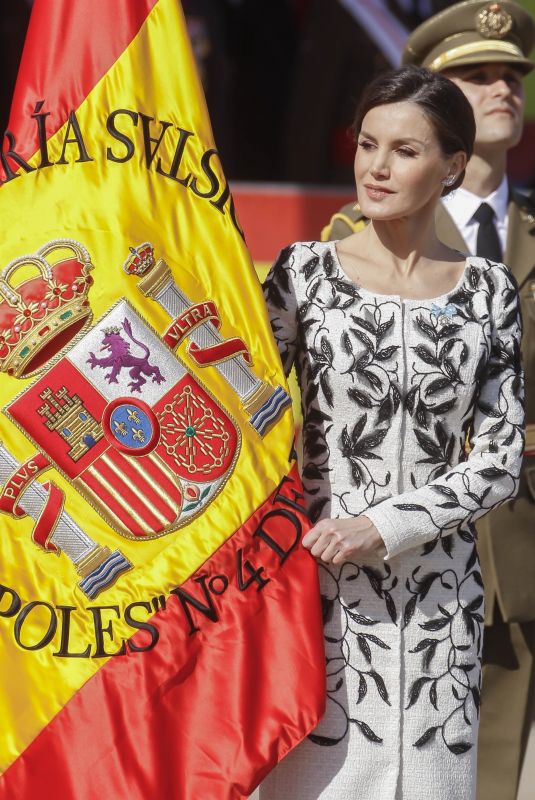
(403, 140)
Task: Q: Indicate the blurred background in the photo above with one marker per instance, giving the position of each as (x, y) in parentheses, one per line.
(282, 79)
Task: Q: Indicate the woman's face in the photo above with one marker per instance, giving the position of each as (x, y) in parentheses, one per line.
(399, 164)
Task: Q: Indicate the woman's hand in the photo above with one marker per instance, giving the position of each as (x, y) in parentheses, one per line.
(336, 540)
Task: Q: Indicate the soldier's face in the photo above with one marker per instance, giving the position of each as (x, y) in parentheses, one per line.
(496, 94)
(399, 164)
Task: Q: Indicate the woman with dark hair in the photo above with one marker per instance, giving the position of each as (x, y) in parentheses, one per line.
(408, 359)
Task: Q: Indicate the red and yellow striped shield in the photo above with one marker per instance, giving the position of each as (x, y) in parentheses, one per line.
(159, 618)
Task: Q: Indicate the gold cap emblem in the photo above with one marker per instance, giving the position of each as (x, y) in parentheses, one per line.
(493, 21)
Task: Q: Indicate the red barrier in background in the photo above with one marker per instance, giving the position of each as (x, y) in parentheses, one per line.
(274, 215)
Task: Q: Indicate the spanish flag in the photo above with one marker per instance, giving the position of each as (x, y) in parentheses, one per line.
(160, 624)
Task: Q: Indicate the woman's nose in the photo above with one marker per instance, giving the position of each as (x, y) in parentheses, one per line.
(380, 168)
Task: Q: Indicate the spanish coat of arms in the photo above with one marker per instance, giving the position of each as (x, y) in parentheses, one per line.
(116, 411)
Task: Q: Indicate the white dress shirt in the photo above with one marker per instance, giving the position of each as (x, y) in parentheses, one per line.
(462, 205)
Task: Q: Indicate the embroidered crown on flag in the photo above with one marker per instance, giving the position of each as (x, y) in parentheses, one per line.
(39, 316)
(140, 260)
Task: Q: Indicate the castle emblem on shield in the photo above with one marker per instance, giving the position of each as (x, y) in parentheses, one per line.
(116, 411)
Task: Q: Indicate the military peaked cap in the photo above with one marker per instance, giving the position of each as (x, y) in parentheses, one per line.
(473, 32)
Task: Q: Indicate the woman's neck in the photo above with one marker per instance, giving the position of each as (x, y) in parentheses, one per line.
(404, 243)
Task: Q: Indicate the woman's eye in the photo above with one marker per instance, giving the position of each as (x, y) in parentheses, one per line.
(406, 153)
(365, 145)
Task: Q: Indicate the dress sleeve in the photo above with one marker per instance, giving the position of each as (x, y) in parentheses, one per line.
(281, 299)
(490, 474)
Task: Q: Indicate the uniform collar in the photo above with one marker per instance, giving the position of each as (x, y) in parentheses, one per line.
(462, 204)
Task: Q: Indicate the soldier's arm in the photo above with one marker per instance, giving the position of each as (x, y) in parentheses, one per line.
(348, 220)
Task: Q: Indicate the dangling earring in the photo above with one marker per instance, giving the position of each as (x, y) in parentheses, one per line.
(449, 180)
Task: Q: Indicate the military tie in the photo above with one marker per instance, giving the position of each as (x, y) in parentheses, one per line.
(488, 242)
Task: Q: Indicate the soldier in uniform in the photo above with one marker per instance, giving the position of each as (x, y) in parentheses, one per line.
(484, 47)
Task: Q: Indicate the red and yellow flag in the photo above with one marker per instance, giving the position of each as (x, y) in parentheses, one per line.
(159, 618)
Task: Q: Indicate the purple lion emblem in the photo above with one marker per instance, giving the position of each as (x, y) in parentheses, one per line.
(120, 356)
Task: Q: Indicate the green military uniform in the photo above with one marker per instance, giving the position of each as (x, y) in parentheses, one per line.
(466, 33)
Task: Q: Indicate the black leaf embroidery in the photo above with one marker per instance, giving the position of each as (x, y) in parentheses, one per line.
(510, 318)
(274, 296)
(345, 287)
(423, 645)
(415, 690)
(312, 393)
(426, 355)
(327, 350)
(426, 737)
(473, 276)
(390, 607)
(449, 330)
(433, 694)
(370, 442)
(315, 509)
(324, 741)
(459, 747)
(428, 445)
(384, 327)
(435, 624)
(372, 378)
(386, 352)
(420, 414)
(326, 389)
(426, 328)
(367, 342)
(436, 385)
(365, 323)
(312, 472)
(445, 490)
(367, 731)
(410, 398)
(362, 619)
(385, 410)
(360, 397)
(426, 583)
(312, 292)
(358, 428)
(409, 609)
(492, 472)
(442, 408)
(488, 410)
(310, 267)
(375, 580)
(328, 263)
(364, 647)
(377, 641)
(381, 687)
(346, 344)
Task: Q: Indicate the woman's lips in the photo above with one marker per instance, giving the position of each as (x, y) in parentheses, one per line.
(377, 192)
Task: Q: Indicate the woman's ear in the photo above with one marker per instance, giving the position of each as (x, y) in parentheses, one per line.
(458, 162)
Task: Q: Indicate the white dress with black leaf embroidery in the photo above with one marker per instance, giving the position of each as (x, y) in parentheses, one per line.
(391, 390)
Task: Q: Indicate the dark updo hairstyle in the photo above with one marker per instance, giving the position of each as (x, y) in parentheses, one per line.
(443, 103)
